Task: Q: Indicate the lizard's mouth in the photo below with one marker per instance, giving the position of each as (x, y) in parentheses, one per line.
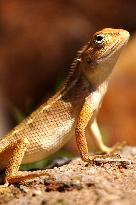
(115, 47)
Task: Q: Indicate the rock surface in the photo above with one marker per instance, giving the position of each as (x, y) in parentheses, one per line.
(106, 181)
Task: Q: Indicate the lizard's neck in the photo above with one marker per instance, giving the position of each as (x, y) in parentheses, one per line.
(78, 83)
(69, 82)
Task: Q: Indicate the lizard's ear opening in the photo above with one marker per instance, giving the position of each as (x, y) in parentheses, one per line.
(88, 60)
(86, 57)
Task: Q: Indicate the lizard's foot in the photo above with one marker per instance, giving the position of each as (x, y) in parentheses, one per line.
(91, 159)
(103, 159)
(22, 176)
(112, 150)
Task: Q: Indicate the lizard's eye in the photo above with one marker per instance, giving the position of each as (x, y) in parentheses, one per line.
(99, 39)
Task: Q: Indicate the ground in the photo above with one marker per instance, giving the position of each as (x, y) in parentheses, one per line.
(109, 183)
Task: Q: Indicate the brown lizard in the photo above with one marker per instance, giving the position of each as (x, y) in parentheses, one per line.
(68, 112)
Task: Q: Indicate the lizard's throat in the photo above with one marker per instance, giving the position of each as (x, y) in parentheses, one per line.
(101, 71)
(99, 76)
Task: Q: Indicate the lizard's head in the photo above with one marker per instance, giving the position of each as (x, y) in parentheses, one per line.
(100, 55)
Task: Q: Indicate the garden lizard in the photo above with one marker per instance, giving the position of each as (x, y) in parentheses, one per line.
(68, 112)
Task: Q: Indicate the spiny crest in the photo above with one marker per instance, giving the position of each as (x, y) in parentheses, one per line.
(71, 78)
(74, 66)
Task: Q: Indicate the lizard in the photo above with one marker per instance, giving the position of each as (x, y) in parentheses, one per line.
(68, 112)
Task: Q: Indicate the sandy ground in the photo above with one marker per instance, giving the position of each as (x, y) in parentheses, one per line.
(112, 181)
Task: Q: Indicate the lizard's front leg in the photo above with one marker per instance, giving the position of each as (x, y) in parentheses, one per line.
(86, 115)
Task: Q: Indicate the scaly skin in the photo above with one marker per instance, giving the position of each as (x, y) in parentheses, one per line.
(68, 112)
